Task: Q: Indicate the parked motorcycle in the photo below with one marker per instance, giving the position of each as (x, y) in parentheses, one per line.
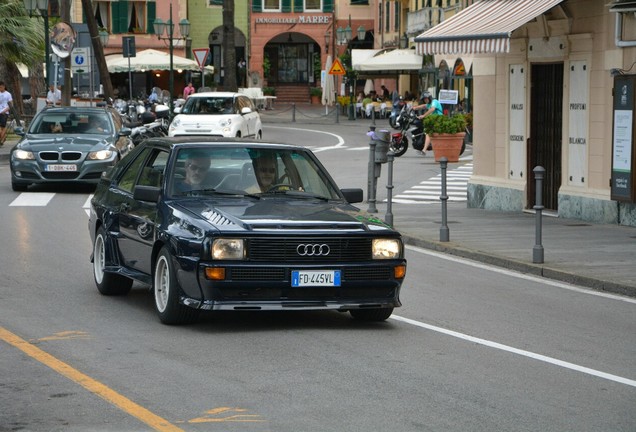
(408, 124)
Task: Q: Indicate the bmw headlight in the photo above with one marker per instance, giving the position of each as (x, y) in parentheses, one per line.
(100, 155)
(23, 155)
(386, 248)
(228, 249)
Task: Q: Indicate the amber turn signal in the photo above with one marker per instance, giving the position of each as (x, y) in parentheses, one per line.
(399, 271)
(215, 273)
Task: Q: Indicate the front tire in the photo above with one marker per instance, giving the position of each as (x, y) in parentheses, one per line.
(372, 315)
(166, 292)
(400, 148)
(109, 284)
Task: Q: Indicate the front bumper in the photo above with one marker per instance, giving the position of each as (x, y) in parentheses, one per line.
(33, 172)
(268, 287)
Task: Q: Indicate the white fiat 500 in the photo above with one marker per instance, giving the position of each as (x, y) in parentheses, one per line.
(224, 114)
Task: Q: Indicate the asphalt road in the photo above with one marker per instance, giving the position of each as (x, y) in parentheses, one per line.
(474, 348)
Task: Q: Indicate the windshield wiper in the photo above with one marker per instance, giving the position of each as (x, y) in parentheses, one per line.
(298, 194)
(197, 192)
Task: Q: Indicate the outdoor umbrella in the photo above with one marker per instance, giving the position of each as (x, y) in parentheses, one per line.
(328, 87)
(368, 87)
(150, 60)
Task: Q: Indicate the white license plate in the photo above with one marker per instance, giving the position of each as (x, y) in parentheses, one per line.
(66, 167)
(302, 278)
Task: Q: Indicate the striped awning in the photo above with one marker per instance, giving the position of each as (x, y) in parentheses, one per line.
(483, 27)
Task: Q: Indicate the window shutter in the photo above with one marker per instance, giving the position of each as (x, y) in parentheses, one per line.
(119, 16)
(327, 5)
(151, 15)
(298, 5)
(257, 5)
(287, 6)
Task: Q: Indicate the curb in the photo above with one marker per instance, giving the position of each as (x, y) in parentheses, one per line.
(523, 267)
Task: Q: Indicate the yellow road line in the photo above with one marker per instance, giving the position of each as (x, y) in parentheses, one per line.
(101, 390)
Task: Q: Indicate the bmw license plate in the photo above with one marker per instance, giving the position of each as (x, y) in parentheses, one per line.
(60, 167)
(301, 278)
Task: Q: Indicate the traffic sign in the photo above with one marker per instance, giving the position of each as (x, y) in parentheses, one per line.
(201, 55)
(81, 60)
(337, 68)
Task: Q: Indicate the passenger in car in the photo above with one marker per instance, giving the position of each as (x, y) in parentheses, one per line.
(197, 165)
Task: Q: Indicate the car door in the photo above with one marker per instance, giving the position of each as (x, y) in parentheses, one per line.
(249, 119)
(138, 219)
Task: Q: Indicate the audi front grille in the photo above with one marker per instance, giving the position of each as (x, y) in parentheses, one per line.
(299, 249)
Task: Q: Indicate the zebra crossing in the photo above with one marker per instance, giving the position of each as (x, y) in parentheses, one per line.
(42, 199)
(429, 191)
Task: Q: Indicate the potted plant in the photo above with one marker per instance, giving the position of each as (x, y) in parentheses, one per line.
(269, 91)
(316, 94)
(447, 135)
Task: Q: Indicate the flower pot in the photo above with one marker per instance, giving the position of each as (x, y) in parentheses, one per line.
(447, 145)
(315, 99)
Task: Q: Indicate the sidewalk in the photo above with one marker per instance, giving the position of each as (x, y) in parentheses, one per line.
(602, 257)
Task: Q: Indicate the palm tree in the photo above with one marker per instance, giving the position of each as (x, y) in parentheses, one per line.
(229, 52)
(21, 41)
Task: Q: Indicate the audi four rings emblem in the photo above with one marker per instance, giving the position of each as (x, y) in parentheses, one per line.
(313, 249)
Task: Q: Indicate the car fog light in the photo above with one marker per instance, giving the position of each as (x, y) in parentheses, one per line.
(215, 273)
(386, 249)
(228, 249)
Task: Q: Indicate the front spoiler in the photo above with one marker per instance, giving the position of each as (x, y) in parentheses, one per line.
(288, 305)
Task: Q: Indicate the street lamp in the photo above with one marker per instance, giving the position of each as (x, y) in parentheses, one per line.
(327, 40)
(103, 37)
(344, 37)
(184, 29)
(43, 7)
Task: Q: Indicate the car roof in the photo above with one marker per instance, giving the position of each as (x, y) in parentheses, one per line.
(216, 94)
(75, 109)
(190, 140)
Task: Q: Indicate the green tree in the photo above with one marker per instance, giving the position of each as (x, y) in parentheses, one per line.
(21, 41)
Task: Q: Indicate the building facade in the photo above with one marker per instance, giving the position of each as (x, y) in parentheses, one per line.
(544, 97)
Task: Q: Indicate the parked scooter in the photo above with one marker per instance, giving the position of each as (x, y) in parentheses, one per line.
(408, 124)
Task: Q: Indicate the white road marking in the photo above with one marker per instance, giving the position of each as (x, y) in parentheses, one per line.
(529, 354)
(87, 205)
(519, 275)
(32, 199)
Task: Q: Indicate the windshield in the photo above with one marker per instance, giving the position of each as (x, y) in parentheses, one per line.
(249, 171)
(212, 105)
(61, 122)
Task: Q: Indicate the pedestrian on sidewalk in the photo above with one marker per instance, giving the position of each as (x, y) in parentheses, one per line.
(54, 96)
(5, 105)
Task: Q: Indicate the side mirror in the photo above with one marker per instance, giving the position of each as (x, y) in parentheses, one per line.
(246, 110)
(177, 110)
(19, 130)
(352, 195)
(124, 132)
(146, 193)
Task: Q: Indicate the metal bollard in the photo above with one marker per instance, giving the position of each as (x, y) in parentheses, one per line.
(293, 112)
(537, 250)
(371, 179)
(389, 191)
(337, 113)
(444, 234)
(373, 117)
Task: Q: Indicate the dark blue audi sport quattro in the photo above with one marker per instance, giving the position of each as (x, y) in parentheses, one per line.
(225, 224)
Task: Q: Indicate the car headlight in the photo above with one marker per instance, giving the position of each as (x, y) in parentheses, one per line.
(225, 122)
(386, 249)
(23, 155)
(175, 123)
(228, 249)
(100, 155)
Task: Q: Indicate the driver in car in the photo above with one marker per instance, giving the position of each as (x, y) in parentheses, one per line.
(265, 170)
(197, 165)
